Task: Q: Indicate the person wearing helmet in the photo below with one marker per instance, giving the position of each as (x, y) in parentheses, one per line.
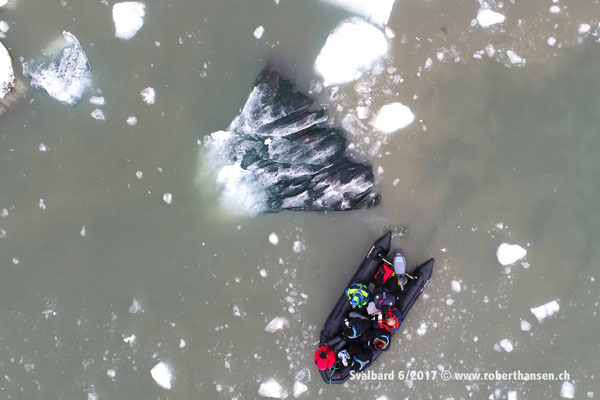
(358, 295)
(390, 319)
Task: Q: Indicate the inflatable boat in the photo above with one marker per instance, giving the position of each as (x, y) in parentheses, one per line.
(405, 299)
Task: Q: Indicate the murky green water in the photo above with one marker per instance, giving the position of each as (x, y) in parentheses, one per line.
(496, 144)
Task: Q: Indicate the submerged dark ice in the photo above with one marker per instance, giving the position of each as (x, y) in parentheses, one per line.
(280, 153)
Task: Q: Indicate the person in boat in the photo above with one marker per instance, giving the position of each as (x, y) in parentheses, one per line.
(389, 320)
(356, 325)
(358, 295)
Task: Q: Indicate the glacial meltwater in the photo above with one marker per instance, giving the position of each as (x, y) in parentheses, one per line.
(135, 265)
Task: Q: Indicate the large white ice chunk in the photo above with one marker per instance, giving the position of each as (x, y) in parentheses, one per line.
(508, 254)
(547, 310)
(7, 75)
(277, 324)
(162, 374)
(65, 75)
(351, 49)
(393, 117)
(128, 18)
(487, 18)
(273, 389)
(375, 11)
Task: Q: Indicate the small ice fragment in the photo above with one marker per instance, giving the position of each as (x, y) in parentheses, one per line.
(547, 310)
(258, 32)
(167, 198)
(298, 246)
(500, 225)
(299, 388)
(65, 74)
(98, 114)
(273, 239)
(135, 307)
(551, 41)
(488, 17)
(15, 261)
(263, 272)
(396, 182)
(554, 10)
(422, 330)
(148, 95)
(2, 233)
(162, 374)
(490, 50)
(508, 254)
(513, 57)
(583, 28)
(111, 373)
(511, 395)
(82, 232)
(42, 205)
(3, 3)
(456, 286)
(97, 100)
(181, 343)
(92, 396)
(129, 339)
(128, 18)
(525, 326)
(139, 174)
(277, 324)
(131, 120)
(351, 49)
(428, 63)
(272, 389)
(43, 148)
(392, 117)
(567, 390)
(507, 345)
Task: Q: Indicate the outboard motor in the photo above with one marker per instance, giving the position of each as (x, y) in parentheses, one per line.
(400, 268)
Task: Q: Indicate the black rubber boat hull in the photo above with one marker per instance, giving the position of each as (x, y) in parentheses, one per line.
(334, 323)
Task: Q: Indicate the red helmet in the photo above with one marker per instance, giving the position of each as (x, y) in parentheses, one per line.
(324, 357)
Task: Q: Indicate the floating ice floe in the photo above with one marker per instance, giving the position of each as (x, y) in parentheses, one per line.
(162, 375)
(280, 153)
(7, 74)
(258, 32)
(455, 286)
(567, 390)
(97, 100)
(375, 11)
(132, 120)
(509, 254)
(487, 18)
(511, 395)
(544, 311)
(65, 75)
(98, 114)
(168, 198)
(135, 307)
(551, 41)
(350, 50)
(525, 326)
(272, 389)
(299, 388)
(274, 239)
(148, 95)
(513, 57)
(393, 117)
(583, 28)
(277, 324)
(128, 18)
(298, 246)
(506, 345)
(554, 9)
(3, 3)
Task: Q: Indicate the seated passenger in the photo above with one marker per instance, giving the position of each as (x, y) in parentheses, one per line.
(391, 319)
(378, 339)
(361, 356)
(355, 326)
(358, 295)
